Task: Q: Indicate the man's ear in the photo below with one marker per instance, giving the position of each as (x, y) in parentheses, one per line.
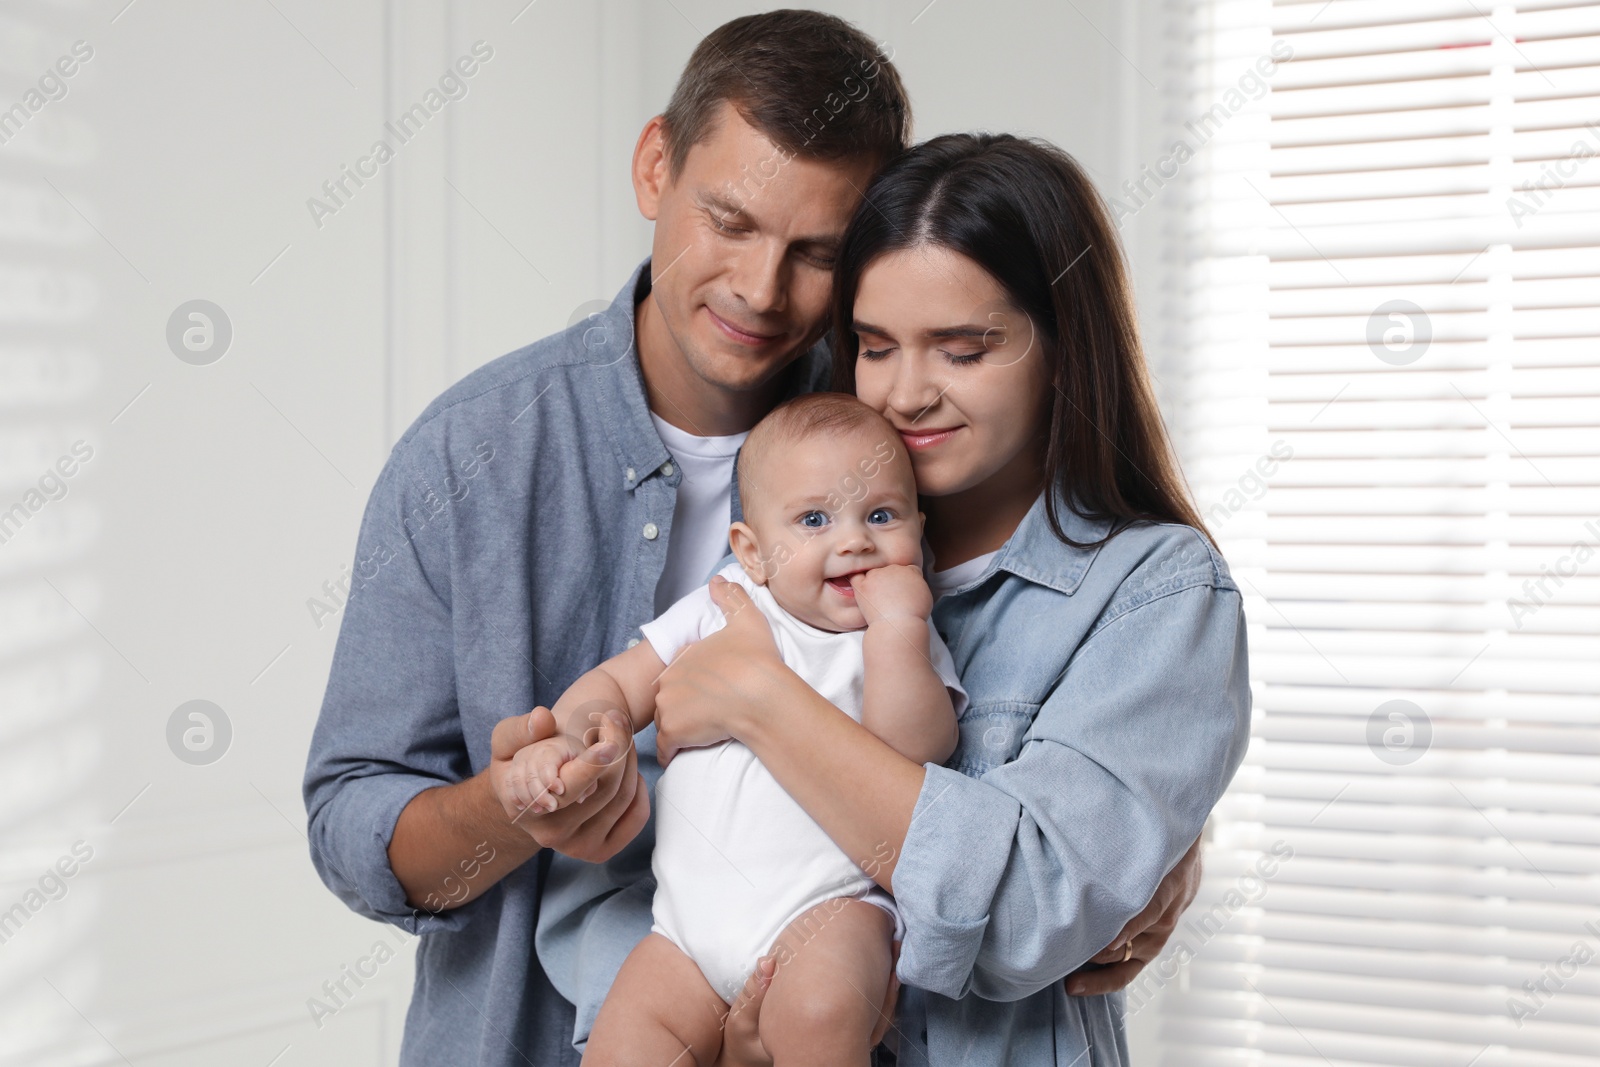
(742, 540)
(650, 167)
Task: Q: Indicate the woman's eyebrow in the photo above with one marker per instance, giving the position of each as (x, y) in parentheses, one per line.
(940, 334)
(961, 331)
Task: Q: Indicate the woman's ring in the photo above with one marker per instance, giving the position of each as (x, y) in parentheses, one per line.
(1127, 951)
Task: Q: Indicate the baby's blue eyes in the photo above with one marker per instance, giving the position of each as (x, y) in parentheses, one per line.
(816, 520)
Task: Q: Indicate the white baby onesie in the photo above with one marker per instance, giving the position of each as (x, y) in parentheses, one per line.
(736, 859)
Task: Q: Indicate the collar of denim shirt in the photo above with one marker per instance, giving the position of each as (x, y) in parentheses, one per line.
(608, 342)
(1035, 553)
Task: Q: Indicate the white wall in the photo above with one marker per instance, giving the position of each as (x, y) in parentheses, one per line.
(221, 497)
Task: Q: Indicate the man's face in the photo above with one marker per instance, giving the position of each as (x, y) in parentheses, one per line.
(745, 241)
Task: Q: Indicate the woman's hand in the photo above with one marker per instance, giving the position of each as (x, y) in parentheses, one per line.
(714, 684)
(741, 1032)
(891, 997)
(1148, 932)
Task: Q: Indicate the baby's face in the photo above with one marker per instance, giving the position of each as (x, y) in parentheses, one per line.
(826, 508)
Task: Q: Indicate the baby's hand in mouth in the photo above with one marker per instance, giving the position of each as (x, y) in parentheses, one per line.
(895, 591)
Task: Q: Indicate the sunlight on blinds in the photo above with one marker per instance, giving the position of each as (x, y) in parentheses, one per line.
(1391, 315)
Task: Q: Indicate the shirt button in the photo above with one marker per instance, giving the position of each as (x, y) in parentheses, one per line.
(666, 468)
(629, 475)
(632, 641)
(651, 530)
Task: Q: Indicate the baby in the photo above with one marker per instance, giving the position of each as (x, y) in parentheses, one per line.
(830, 553)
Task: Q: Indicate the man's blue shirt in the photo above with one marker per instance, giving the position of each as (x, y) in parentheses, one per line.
(513, 541)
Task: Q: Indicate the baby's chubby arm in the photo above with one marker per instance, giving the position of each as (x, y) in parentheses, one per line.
(626, 682)
(904, 702)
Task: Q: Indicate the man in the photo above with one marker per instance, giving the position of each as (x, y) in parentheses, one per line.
(549, 503)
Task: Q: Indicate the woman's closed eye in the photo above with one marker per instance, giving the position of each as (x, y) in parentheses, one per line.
(960, 359)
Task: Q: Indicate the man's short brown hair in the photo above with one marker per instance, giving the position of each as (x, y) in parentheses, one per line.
(811, 83)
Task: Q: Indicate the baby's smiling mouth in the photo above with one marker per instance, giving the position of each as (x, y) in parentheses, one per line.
(841, 583)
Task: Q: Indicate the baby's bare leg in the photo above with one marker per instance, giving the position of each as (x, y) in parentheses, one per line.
(833, 971)
(661, 1012)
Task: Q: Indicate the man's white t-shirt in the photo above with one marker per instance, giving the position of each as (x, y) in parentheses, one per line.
(700, 518)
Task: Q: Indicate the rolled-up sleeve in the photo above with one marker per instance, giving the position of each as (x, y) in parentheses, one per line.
(389, 726)
(1009, 881)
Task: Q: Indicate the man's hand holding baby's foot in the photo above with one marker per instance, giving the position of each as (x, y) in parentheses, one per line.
(892, 592)
(535, 777)
(558, 771)
(523, 775)
(618, 799)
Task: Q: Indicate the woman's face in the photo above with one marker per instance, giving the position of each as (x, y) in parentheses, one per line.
(957, 369)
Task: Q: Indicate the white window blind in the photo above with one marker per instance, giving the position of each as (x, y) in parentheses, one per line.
(1389, 311)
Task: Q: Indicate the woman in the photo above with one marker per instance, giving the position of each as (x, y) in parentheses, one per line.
(983, 307)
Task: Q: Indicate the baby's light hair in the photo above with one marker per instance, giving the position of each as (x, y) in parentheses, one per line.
(799, 419)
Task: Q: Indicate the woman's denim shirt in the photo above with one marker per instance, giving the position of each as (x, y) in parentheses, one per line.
(1109, 707)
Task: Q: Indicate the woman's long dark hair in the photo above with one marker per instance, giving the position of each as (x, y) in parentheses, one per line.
(1024, 211)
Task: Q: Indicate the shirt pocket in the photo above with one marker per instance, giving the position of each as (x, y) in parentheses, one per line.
(991, 734)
